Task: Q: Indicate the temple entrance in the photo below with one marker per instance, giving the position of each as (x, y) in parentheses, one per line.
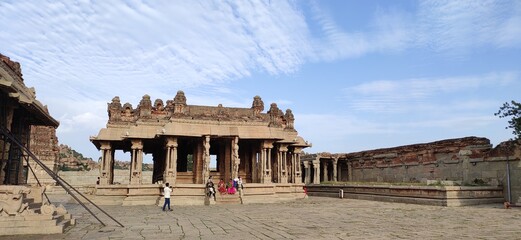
(249, 151)
(220, 148)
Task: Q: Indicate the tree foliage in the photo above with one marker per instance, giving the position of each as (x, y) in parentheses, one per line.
(513, 110)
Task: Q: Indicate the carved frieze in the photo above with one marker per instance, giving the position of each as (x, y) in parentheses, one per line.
(177, 109)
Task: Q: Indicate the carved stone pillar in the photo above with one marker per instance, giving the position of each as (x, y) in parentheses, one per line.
(291, 167)
(107, 162)
(283, 164)
(266, 161)
(262, 174)
(170, 161)
(349, 171)
(279, 166)
(298, 170)
(268, 167)
(308, 172)
(206, 158)
(325, 176)
(136, 162)
(335, 170)
(254, 167)
(235, 158)
(316, 167)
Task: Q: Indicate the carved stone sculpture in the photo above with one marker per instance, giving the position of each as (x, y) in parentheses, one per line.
(179, 102)
(145, 107)
(11, 201)
(275, 116)
(114, 109)
(290, 119)
(257, 105)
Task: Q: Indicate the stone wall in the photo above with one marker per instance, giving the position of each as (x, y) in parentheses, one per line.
(44, 144)
(86, 178)
(470, 161)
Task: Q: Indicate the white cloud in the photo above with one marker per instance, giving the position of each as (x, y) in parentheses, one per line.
(450, 27)
(389, 32)
(461, 25)
(132, 46)
(402, 95)
(79, 55)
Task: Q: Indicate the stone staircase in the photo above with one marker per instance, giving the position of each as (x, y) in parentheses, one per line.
(227, 199)
(37, 218)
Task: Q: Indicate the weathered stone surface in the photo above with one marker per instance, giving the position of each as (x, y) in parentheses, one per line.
(25, 124)
(178, 109)
(14, 66)
(311, 218)
(44, 144)
(471, 160)
(428, 195)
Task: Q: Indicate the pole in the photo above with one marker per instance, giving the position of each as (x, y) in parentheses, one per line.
(509, 195)
(58, 179)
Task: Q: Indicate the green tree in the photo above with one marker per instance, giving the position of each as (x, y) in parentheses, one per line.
(512, 109)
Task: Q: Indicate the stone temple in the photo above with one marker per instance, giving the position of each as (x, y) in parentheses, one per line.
(25, 126)
(189, 143)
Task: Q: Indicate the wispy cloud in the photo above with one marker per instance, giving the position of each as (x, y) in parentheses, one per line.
(389, 32)
(462, 25)
(79, 55)
(135, 45)
(449, 27)
(347, 133)
(402, 95)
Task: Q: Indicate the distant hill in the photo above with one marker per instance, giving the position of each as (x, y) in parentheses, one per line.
(126, 165)
(71, 160)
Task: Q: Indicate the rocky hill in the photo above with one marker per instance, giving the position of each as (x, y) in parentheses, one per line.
(71, 160)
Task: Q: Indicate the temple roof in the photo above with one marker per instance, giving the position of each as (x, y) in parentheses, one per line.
(176, 118)
(11, 82)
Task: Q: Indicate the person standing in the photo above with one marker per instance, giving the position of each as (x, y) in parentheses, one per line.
(240, 187)
(210, 188)
(166, 191)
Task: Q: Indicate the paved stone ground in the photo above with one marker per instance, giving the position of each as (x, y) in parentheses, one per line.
(312, 218)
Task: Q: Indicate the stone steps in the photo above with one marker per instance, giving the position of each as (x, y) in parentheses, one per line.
(140, 200)
(34, 222)
(228, 199)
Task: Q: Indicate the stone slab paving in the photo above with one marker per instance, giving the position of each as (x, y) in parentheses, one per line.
(311, 218)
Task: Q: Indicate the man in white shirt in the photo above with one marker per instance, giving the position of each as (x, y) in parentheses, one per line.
(166, 191)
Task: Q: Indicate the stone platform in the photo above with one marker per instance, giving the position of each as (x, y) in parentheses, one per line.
(191, 194)
(428, 195)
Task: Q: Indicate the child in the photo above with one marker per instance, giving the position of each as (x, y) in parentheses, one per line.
(166, 191)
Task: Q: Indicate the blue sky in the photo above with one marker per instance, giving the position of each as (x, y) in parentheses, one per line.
(358, 75)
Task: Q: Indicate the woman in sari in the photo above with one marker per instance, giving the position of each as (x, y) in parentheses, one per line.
(221, 187)
(231, 189)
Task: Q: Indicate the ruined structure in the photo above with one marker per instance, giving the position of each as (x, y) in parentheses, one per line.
(189, 143)
(19, 112)
(465, 161)
(44, 144)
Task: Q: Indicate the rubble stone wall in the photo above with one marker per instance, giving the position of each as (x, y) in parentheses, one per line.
(471, 160)
(43, 144)
(85, 178)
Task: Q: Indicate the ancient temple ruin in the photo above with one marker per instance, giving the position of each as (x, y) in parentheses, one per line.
(23, 209)
(469, 161)
(189, 143)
